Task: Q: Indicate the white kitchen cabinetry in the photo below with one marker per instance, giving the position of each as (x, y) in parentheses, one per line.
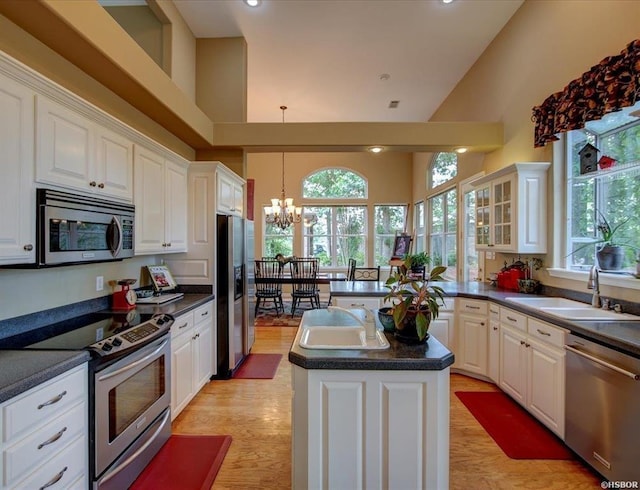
(370, 429)
(17, 195)
(511, 209)
(161, 203)
(472, 345)
(192, 351)
(230, 192)
(45, 434)
(369, 302)
(532, 366)
(74, 152)
(494, 343)
(442, 328)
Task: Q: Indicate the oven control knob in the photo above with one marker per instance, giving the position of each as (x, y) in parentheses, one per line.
(106, 347)
(160, 320)
(116, 342)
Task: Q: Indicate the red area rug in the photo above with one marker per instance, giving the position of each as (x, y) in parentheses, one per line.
(185, 462)
(258, 366)
(517, 433)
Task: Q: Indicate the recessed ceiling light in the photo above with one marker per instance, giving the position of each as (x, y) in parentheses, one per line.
(461, 150)
(376, 149)
(253, 3)
(447, 1)
(384, 77)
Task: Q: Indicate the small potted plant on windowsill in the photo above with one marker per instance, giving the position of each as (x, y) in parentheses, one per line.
(417, 262)
(610, 252)
(415, 303)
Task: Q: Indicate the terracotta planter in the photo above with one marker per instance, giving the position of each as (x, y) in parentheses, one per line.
(610, 257)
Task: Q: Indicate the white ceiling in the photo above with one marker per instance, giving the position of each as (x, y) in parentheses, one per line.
(324, 58)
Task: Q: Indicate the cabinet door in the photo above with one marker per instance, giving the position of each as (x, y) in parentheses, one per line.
(17, 196)
(238, 199)
(494, 350)
(225, 194)
(358, 302)
(64, 146)
(483, 218)
(149, 170)
(502, 214)
(203, 353)
(182, 380)
(175, 208)
(545, 390)
(114, 165)
(513, 364)
(442, 328)
(473, 343)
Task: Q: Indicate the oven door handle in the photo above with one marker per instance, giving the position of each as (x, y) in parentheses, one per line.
(108, 476)
(115, 251)
(617, 369)
(133, 364)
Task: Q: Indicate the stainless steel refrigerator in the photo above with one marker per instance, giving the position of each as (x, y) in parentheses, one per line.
(250, 292)
(230, 294)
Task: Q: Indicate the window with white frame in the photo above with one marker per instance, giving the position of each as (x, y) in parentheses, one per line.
(340, 233)
(419, 227)
(388, 221)
(610, 195)
(444, 168)
(277, 241)
(443, 231)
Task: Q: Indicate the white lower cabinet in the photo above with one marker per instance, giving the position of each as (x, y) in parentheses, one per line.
(192, 351)
(45, 434)
(494, 343)
(472, 346)
(442, 328)
(348, 302)
(370, 429)
(532, 365)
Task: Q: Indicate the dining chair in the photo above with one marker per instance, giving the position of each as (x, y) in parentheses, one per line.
(366, 273)
(304, 273)
(268, 272)
(351, 265)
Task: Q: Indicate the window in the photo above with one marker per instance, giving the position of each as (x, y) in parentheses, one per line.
(444, 168)
(418, 226)
(277, 241)
(614, 192)
(443, 231)
(334, 183)
(339, 234)
(387, 221)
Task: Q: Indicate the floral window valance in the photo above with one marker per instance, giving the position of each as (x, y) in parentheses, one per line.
(609, 86)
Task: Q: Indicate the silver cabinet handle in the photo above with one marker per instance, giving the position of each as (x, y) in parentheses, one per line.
(511, 319)
(542, 332)
(472, 307)
(55, 479)
(617, 369)
(55, 399)
(53, 439)
(182, 326)
(28, 247)
(204, 314)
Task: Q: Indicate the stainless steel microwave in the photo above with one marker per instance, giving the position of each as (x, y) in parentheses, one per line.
(73, 229)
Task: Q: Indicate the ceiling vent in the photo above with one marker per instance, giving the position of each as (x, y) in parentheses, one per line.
(394, 104)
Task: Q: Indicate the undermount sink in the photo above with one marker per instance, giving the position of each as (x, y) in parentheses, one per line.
(589, 313)
(339, 337)
(548, 302)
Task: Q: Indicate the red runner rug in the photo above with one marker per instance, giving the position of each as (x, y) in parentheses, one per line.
(258, 366)
(517, 433)
(185, 462)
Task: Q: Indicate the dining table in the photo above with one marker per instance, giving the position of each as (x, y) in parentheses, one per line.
(321, 278)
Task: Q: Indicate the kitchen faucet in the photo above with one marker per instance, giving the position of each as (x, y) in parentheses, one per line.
(594, 283)
(368, 323)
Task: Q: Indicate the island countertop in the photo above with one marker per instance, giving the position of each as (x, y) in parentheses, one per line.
(432, 356)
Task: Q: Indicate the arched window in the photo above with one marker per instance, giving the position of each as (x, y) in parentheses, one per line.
(443, 168)
(334, 183)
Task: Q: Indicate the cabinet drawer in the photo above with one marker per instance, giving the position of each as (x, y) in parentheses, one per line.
(473, 306)
(45, 443)
(513, 319)
(355, 302)
(545, 332)
(44, 402)
(203, 313)
(61, 471)
(494, 311)
(183, 323)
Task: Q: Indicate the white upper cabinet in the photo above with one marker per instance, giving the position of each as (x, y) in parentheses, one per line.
(230, 193)
(74, 152)
(161, 203)
(511, 209)
(17, 195)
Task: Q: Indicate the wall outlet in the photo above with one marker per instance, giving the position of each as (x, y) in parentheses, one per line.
(99, 283)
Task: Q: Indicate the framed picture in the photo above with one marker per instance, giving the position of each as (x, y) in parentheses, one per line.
(161, 278)
(401, 246)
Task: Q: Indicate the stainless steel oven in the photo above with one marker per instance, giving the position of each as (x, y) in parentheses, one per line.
(73, 229)
(132, 417)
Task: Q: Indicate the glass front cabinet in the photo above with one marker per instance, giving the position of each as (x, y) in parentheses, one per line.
(511, 209)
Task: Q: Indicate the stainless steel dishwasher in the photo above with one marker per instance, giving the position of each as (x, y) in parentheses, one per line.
(602, 408)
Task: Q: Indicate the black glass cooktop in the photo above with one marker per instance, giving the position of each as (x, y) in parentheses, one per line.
(76, 333)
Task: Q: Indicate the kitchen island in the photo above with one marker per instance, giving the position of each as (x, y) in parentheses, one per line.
(369, 418)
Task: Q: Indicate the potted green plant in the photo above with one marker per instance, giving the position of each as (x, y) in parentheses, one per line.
(417, 262)
(414, 302)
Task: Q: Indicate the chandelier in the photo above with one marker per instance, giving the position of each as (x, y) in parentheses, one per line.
(282, 212)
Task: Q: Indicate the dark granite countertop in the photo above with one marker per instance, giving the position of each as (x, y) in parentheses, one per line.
(21, 370)
(620, 335)
(432, 356)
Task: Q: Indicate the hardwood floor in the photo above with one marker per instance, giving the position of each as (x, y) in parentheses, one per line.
(257, 414)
